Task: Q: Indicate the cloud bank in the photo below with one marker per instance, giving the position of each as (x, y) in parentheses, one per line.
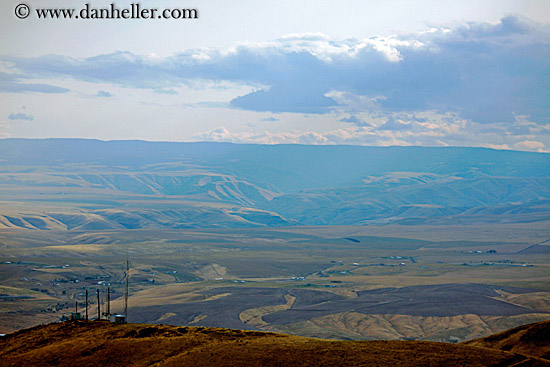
(489, 78)
(485, 72)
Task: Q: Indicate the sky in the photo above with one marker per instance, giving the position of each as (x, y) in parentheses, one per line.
(381, 73)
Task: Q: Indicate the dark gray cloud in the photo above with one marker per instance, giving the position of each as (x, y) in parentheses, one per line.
(488, 73)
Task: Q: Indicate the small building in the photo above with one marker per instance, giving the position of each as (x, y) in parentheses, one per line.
(454, 339)
(118, 319)
(76, 316)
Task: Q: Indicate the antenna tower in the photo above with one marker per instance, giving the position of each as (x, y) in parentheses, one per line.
(86, 305)
(98, 306)
(126, 289)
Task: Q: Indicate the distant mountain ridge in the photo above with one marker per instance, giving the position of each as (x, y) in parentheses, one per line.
(223, 184)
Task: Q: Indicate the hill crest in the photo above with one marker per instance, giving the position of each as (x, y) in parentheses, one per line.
(102, 343)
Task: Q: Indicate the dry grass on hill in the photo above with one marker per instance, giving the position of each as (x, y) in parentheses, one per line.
(105, 344)
(532, 339)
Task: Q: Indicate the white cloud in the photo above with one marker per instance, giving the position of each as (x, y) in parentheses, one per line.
(497, 146)
(424, 129)
(530, 145)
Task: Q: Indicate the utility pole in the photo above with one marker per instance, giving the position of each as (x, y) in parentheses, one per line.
(126, 290)
(98, 306)
(108, 302)
(86, 305)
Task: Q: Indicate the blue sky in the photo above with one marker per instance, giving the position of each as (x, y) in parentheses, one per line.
(430, 73)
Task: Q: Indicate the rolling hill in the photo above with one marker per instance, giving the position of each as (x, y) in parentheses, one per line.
(102, 343)
(532, 339)
(78, 184)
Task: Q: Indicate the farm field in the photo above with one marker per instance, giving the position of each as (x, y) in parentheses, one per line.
(330, 282)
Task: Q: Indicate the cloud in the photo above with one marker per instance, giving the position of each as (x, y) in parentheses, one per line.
(206, 104)
(166, 91)
(530, 145)
(11, 83)
(20, 116)
(487, 73)
(32, 87)
(426, 129)
(276, 100)
(353, 135)
(104, 94)
(393, 124)
(354, 120)
(222, 134)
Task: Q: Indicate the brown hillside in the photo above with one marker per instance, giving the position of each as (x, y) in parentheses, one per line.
(106, 344)
(531, 339)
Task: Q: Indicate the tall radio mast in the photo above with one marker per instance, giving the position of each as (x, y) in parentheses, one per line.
(126, 289)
